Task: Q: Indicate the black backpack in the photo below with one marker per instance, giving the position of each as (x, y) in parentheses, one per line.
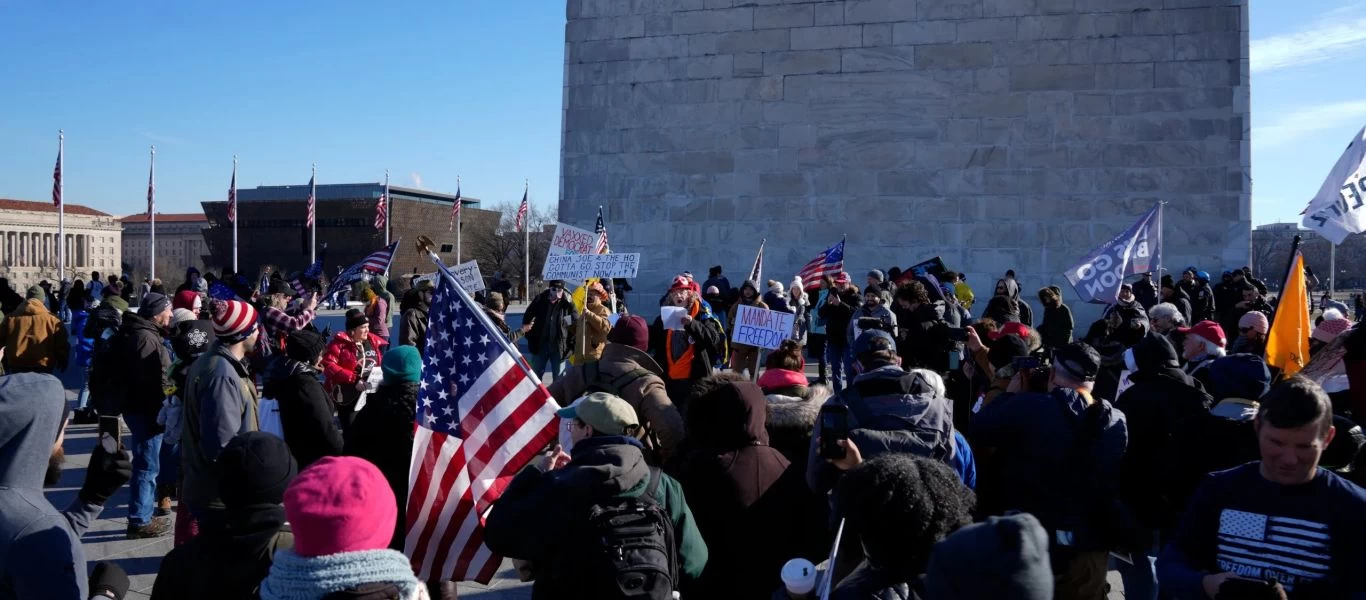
(628, 548)
(598, 382)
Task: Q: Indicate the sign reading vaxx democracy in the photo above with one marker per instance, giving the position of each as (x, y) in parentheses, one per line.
(1338, 209)
(578, 267)
(1099, 276)
(571, 240)
(762, 328)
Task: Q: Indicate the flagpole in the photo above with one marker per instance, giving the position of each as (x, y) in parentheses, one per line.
(61, 207)
(388, 207)
(459, 216)
(1161, 210)
(152, 211)
(526, 245)
(1332, 267)
(234, 216)
(313, 230)
(1294, 248)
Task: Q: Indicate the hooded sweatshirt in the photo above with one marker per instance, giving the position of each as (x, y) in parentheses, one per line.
(33, 338)
(1013, 292)
(744, 494)
(40, 548)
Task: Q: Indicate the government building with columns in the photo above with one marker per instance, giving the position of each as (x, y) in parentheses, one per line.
(28, 242)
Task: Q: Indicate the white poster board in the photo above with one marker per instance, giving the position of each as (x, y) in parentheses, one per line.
(761, 328)
(578, 267)
(467, 273)
(672, 317)
(571, 240)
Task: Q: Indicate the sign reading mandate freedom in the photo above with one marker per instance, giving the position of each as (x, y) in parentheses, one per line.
(762, 328)
(578, 267)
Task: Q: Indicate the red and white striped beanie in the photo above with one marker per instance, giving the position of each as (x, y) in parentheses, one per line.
(233, 320)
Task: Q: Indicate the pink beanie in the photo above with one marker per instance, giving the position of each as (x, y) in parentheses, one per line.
(1255, 320)
(1329, 330)
(340, 504)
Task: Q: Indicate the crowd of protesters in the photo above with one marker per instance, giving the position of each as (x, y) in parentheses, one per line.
(950, 446)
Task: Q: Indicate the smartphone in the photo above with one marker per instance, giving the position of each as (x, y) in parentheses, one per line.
(834, 427)
(1238, 587)
(958, 334)
(110, 429)
(954, 361)
(1026, 362)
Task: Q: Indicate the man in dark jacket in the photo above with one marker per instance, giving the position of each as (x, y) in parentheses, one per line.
(382, 432)
(541, 516)
(723, 289)
(229, 563)
(747, 498)
(305, 411)
(1058, 458)
(1176, 296)
(551, 315)
(146, 367)
(922, 334)
(687, 355)
(1146, 291)
(890, 410)
(412, 327)
(1204, 305)
(840, 298)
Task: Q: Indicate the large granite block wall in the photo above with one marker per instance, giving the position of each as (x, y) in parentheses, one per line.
(995, 133)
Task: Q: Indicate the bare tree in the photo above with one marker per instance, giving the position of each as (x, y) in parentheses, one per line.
(505, 250)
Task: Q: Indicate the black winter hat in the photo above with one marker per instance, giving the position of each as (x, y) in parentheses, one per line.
(254, 469)
(1239, 376)
(1341, 454)
(278, 286)
(1006, 349)
(305, 346)
(1003, 557)
(191, 338)
(1079, 360)
(355, 318)
(1154, 352)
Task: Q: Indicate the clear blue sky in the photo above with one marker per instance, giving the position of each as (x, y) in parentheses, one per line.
(434, 89)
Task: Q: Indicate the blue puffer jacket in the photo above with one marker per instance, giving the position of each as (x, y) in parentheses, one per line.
(83, 346)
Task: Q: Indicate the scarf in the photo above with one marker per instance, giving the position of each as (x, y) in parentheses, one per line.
(294, 577)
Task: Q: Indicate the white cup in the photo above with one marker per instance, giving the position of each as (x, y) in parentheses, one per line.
(799, 576)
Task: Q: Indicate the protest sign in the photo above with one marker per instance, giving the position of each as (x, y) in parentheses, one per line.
(761, 328)
(467, 273)
(671, 317)
(578, 267)
(571, 240)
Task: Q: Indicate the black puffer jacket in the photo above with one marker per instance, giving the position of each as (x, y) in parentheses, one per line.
(146, 364)
(382, 433)
(305, 411)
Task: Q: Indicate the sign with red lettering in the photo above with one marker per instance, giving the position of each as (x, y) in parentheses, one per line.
(571, 240)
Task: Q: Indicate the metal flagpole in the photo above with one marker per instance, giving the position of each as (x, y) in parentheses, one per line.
(234, 216)
(1161, 210)
(152, 210)
(1332, 268)
(313, 230)
(459, 216)
(388, 207)
(526, 245)
(61, 207)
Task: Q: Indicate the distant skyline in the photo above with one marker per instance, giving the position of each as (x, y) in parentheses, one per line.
(441, 90)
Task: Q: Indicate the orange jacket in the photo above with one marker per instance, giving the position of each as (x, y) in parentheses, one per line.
(33, 338)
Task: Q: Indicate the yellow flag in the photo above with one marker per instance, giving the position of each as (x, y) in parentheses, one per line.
(1287, 345)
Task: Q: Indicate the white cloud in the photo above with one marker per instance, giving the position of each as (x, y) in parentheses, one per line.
(417, 180)
(1308, 120)
(1338, 32)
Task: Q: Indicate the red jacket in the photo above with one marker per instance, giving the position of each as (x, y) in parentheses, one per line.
(340, 359)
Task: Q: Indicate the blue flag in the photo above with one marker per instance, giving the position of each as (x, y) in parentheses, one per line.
(1098, 277)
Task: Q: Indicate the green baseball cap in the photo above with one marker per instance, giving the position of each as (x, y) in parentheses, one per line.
(605, 413)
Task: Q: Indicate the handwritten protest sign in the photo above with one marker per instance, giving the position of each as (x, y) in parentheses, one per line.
(761, 328)
(467, 273)
(571, 240)
(578, 267)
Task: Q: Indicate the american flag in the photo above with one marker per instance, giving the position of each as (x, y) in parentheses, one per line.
(756, 274)
(152, 186)
(1285, 549)
(377, 263)
(381, 211)
(57, 177)
(481, 417)
(601, 246)
(830, 262)
(232, 194)
(312, 196)
(521, 213)
(455, 206)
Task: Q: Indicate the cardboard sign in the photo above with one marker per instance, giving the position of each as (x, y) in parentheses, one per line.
(467, 273)
(761, 328)
(578, 267)
(571, 240)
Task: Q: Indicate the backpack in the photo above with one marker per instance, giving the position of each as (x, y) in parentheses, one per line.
(628, 549)
(598, 382)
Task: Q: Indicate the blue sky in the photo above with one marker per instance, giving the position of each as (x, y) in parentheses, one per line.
(432, 90)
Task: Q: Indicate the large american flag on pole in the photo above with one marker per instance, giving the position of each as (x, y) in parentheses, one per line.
(601, 246)
(382, 210)
(830, 262)
(152, 185)
(57, 178)
(481, 417)
(522, 213)
(455, 206)
(312, 197)
(376, 263)
(232, 194)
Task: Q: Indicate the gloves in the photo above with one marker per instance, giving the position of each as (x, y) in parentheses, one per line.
(105, 475)
(108, 581)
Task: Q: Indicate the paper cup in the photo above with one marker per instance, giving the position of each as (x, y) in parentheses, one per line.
(799, 576)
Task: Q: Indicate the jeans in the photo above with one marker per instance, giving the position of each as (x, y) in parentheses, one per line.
(83, 397)
(539, 361)
(835, 355)
(146, 448)
(169, 477)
